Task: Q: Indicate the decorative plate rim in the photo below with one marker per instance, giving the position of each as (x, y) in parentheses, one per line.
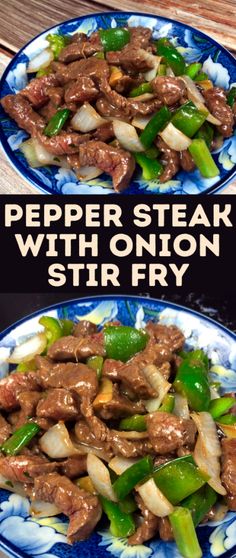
(9, 153)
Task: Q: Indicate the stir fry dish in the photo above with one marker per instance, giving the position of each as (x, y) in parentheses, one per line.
(120, 423)
(119, 100)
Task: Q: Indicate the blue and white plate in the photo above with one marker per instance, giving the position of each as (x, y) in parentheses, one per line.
(194, 45)
(22, 536)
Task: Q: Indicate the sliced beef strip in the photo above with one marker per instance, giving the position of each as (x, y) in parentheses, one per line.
(81, 90)
(128, 448)
(165, 529)
(140, 36)
(90, 67)
(83, 509)
(88, 437)
(5, 429)
(44, 423)
(118, 406)
(132, 58)
(13, 385)
(59, 404)
(74, 466)
(104, 133)
(38, 88)
(170, 160)
(81, 48)
(228, 476)
(128, 106)
(28, 401)
(76, 348)
(64, 143)
(84, 327)
(170, 336)
(186, 161)
(110, 368)
(216, 102)
(120, 164)
(106, 109)
(149, 526)
(20, 110)
(170, 90)
(76, 377)
(167, 432)
(24, 468)
(56, 100)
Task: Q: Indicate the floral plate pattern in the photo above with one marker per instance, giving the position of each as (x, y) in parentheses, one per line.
(194, 45)
(22, 536)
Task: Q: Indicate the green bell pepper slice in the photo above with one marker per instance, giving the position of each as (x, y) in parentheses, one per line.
(188, 119)
(57, 122)
(26, 366)
(57, 43)
(96, 363)
(128, 505)
(132, 476)
(206, 133)
(152, 152)
(184, 533)
(168, 404)
(141, 89)
(21, 438)
(43, 72)
(203, 158)
(136, 422)
(154, 126)
(151, 167)
(53, 329)
(227, 419)
(231, 97)
(121, 524)
(171, 56)
(67, 326)
(178, 479)
(193, 69)
(201, 77)
(191, 381)
(123, 342)
(161, 70)
(200, 503)
(220, 406)
(114, 39)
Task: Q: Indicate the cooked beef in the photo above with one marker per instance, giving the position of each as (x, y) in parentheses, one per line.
(12, 386)
(20, 110)
(125, 83)
(170, 160)
(216, 102)
(77, 348)
(110, 368)
(106, 109)
(161, 459)
(24, 468)
(81, 90)
(44, 423)
(76, 377)
(56, 100)
(186, 161)
(140, 36)
(28, 401)
(149, 526)
(229, 470)
(128, 107)
(58, 404)
(43, 362)
(169, 336)
(119, 163)
(88, 437)
(37, 90)
(82, 508)
(118, 406)
(129, 448)
(170, 90)
(104, 133)
(132, 58)
(63, 143)
(84, 327)
(5, 429)
(167, 432)
(78, 50)
(74, 466)
(165, 529)
(91, 67)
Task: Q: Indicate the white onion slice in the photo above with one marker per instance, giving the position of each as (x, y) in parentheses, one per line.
(127, 136)
(198, 99)
(140, 121)
(131, 434)
(16, 487)
(119, 464)
(39, 509)
(174, 138)
(27, 350)
(154, 499)
(151, 74)
(181, 406)
(37, 156)
(56, 442)
(100, 477)
(169, 72)
(207, 450)
(144, 97)
(41, 61)
(86, 119)
(159, 383)
(88, 173)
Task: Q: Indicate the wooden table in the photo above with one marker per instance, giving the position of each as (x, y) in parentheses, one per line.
(21, 21)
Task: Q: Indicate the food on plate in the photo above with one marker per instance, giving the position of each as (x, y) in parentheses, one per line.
(119, 100)
(119, 422)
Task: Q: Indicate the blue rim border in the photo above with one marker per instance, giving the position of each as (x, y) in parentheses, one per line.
(10, 154)
(140, 299)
